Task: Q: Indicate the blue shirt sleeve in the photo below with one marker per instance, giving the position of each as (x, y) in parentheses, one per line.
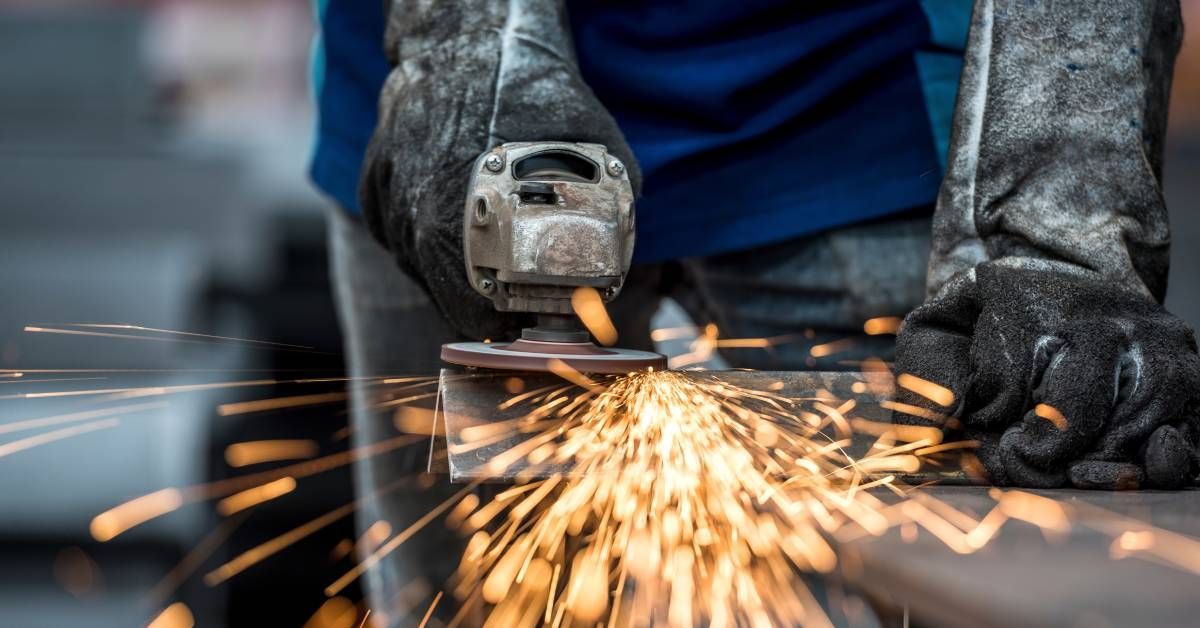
(349, 68)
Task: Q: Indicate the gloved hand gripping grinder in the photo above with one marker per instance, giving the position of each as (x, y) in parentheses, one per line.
(543, 219)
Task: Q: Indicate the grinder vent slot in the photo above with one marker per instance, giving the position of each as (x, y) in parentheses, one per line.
(556, 165)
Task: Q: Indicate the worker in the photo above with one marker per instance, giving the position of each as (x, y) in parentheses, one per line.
(788, 158)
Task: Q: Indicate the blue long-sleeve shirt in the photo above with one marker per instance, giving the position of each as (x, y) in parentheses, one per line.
(753, 122)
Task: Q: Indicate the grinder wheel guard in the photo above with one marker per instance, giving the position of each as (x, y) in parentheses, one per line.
(543, 219)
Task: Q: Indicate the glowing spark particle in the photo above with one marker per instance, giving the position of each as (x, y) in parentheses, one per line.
(177, 615)
(429, 612)
(1051, 414)
(247, 453)
(564, 370)
(590, 308)
(336, 612)
(396, 541)
(1043, 512)
(374, 536)
(279, 403)
(261, 552)
(830, 348)
(882, 325)
(29, 424)
(107, 525)
(1129, 542)
(254, 496)
(927, 389)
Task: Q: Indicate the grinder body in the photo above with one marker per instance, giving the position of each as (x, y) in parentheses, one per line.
(541, 221)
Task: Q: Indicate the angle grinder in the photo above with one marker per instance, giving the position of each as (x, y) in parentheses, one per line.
(542, 220)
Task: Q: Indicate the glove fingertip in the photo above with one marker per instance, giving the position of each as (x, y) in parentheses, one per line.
(1110, 476)
(1168, 458)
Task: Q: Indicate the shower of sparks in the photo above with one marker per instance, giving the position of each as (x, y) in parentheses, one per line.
(688, 502)
(654, 498)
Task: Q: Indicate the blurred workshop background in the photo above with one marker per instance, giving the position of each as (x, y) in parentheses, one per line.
(153, 172)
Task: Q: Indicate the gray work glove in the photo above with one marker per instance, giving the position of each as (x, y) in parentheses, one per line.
(1050, 252)
(466, 77)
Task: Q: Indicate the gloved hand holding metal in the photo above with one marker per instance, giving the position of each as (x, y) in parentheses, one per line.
(466, 77)
(1050, 255)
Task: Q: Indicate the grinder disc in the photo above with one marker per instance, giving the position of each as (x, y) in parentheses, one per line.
(536, 355)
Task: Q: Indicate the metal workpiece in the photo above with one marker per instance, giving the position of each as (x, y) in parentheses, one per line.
(469, 401)
(544, 218)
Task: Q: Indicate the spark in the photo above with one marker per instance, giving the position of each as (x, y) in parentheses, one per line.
(254, 496)
(705, 344)
(279, 403)
(261, 552)
(7, 449)
(881, 325)
(564, 370)
(927, 389)
(258, 451)
(1048, 514)
(429, 613)
(177, 615)
(676, 498)
(663, 334)
(194, 558)
(830, 348)
(119, 519)
(337, 612)
(396, 541)
(180, 333)
(143, 391)
(589, 307)
(111, 523)
(190, 338)
(1051, 414)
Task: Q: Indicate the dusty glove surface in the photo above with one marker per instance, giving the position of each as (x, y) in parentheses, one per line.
(1050, 249)
(468, 76)
(1062, 379)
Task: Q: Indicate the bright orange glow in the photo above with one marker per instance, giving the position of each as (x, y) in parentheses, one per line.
(589, 307)
(882, 325)
(254, 496)
(108, 524)
(177, 615)
(1042, 512)
(258, 451)
(336, 612)
(830, 348)
(279, 403)
(1051, 414)
(927, 389)
(414, 420)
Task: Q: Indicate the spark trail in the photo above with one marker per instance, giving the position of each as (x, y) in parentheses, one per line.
(688, 502)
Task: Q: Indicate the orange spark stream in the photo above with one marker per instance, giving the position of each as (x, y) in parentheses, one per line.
(689, 502)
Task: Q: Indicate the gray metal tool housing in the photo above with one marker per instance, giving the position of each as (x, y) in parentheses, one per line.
(544, 218)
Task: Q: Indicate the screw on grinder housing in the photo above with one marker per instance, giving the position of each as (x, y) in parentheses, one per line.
(543, 219)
